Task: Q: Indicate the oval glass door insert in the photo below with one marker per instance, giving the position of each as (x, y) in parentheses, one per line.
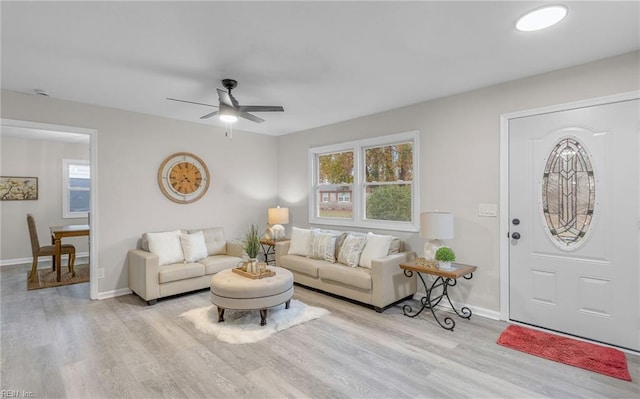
(568, 193)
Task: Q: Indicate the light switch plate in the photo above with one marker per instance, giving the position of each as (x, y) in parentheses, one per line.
(101, 272)
(488, 210)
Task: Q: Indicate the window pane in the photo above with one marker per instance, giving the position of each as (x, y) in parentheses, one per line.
(568, 192)
(338, 203)
(78, 201)
(79, 183)
(335, 168)
(388, 202)
(79, 171)
(389, 163)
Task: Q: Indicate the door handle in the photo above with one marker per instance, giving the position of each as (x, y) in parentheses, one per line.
(515, 236)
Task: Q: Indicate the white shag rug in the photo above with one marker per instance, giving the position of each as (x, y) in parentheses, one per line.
(243, 327)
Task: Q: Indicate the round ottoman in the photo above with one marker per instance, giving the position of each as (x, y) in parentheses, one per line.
(233, 291)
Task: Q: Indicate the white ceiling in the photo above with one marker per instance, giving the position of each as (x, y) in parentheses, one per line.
(324, 62)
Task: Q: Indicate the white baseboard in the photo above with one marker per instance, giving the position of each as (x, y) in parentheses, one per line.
(114, 293)
(475, 310)
(81, 257)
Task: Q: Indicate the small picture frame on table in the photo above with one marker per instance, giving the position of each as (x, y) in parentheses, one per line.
(16, 188)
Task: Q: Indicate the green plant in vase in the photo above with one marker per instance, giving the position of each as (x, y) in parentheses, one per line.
(445, 256)
(251, 242)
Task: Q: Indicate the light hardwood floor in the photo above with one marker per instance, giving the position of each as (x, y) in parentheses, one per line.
(57, 343)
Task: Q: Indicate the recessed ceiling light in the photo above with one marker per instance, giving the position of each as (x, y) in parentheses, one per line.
(541, 18)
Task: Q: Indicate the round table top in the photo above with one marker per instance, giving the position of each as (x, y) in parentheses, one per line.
(228, 284)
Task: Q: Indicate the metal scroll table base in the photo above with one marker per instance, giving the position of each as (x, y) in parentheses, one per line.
(430, 301)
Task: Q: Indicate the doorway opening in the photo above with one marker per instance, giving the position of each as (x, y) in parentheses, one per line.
(68, 134)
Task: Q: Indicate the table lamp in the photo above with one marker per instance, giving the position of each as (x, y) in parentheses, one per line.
(276, 218)
(435, 226)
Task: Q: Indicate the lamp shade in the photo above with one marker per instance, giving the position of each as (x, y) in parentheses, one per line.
(437, 225)
(278, 215)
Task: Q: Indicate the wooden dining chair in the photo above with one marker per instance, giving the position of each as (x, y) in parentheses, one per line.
(47, 250)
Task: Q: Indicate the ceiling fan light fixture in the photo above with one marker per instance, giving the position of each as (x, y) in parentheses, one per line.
(228, 115)
(541, 18)
(228, 118)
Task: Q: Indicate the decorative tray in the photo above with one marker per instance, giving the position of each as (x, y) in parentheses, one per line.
(255, 276)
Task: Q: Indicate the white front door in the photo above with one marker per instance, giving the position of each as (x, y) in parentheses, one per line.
(574, 214)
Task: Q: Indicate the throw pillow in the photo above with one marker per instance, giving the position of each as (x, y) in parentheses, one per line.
(167, 246)
(351, 250)
(194, 246)
(299, 239)
(377, 246)
(322, 246)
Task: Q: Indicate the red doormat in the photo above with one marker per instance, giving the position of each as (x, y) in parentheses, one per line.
(600, 359)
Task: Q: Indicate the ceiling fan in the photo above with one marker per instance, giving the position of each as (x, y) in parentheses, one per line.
(229, 109)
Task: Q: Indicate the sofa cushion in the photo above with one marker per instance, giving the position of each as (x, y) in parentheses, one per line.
(322, 246)
(351, 250)
(353, 276)
(180, 271)
(216, 263)
(214, 239)
(376, 247)
(167, 246)
(299, 242)
(193, 246)
(301, 264)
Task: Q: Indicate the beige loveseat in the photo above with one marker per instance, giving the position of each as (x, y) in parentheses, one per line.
(381, 283)
(162, 266)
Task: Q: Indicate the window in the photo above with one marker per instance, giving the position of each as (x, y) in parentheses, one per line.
(344, 197)
(76, 188)
(368, 183)
(568, 193)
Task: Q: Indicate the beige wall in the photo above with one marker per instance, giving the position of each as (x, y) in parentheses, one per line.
(131, 146)
(41, 159)
(459, 155)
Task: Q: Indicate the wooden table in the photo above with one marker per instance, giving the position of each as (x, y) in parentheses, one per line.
(445, 278)
(269, 249)
(70, 230)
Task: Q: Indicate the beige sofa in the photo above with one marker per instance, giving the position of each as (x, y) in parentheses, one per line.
(380, 285)
(153, 274)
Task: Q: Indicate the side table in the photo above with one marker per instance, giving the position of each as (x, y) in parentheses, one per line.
(445, 278)
(269, 250)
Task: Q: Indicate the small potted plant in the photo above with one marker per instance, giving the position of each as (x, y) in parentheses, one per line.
(251, 244)
(445, 255)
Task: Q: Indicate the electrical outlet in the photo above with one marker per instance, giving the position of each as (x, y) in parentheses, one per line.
(101, 272)
(488, 210)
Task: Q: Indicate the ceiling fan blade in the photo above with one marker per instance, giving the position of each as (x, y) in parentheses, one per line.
(252, 118)
(191, 102)
(225, 98)
(209, 115)
(260, 108)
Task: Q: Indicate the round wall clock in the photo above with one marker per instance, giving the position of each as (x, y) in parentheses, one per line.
(183, 177)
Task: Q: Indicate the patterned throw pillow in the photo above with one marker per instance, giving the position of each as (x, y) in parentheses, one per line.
(351, 250)
(322, 246)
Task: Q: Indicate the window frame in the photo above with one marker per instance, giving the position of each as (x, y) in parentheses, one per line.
(66, 189)
(358, 218)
